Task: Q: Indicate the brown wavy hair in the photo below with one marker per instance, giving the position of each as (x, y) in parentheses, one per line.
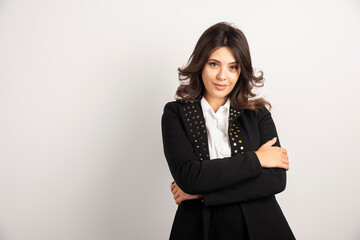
(222, 34)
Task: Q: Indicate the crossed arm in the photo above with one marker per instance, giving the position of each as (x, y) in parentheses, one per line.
(240, 177)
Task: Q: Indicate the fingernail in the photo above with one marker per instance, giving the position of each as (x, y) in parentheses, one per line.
(275, 138)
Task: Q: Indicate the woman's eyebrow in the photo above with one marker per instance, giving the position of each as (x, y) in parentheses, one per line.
(220, 62)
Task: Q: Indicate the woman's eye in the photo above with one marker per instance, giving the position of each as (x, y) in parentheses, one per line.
(234, 67)
(212, 64)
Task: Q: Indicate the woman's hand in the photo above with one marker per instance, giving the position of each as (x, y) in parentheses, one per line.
(272, 156)
(180, 196)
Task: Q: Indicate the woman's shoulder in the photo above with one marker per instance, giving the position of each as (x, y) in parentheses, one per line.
(176, 103)
(172, 106)
(258, 114)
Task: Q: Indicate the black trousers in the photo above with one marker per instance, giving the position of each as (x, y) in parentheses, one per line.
(227, 223)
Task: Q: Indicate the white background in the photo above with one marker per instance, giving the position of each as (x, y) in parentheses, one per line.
(82, 90)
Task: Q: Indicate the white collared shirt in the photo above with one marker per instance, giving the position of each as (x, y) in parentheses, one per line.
(217, 129)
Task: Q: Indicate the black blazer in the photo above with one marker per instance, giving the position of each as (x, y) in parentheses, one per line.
(238, 179)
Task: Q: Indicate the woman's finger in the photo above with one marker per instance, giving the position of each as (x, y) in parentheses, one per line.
(175, 190)
(173, 185)
(178, 201)
(177, 194)
(285, 161)
(286, 166)
(179, 198)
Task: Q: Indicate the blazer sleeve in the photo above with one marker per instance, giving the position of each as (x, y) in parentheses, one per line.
(195, 176)
(270, 182)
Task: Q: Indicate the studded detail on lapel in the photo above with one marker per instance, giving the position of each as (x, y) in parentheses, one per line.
(234, 113)
(236, 141)
(195, 126)
(194, 122)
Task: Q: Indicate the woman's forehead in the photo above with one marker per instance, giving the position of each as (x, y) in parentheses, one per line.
(223, 55)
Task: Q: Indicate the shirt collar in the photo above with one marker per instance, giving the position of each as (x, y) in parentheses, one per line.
(206, 106)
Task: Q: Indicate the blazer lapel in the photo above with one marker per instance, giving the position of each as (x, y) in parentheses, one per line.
(194, 122)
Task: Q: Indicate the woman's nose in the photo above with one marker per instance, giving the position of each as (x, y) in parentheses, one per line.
(222, 73)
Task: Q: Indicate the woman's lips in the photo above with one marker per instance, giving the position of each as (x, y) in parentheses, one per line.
(220, 86)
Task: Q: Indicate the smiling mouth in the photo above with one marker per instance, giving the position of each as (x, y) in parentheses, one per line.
(220, 85)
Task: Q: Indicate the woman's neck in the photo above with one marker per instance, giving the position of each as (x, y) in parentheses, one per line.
(215, 103)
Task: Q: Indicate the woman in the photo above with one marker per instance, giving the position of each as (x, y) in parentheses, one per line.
(222, 147)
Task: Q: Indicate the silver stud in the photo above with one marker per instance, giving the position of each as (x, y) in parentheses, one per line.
(234, 144)
(241, 147)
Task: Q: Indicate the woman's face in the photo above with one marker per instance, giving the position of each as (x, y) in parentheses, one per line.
(220, 74)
